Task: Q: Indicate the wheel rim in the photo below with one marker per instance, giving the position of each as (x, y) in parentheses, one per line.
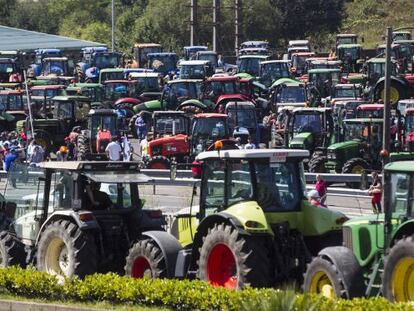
(57, 257)
(141, 268)
(357, 169)
(221, 267)
(403, 280)
(322, 284)
(394, 94)
(158, 166)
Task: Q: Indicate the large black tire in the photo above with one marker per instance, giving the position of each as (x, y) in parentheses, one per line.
(398, 91)
(158, 163)
(43, 139)
(131, 126)
(233, 261)
(334, 273)
(12, 250)
(84, 148)
(317, 164)
(65, 250)
(355, 166)
(145, 258)
(398, 278)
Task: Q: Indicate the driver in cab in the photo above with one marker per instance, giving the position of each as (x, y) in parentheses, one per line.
(94, 198)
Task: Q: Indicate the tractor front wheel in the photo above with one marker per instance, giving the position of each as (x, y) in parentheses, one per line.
(145, 258)
(355, 166)
(83, 149)
(230, 260)
(65, 250)
(398, 281)
(12, 250)
(317, 164)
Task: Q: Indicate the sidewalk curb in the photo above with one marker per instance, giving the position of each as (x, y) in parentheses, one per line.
(11, 305)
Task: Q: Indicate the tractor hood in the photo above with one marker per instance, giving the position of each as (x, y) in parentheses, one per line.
(344, 145)
(148, 105)
(128, 100)
(301, 140)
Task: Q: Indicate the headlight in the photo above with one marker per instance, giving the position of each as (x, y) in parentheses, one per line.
(331, 156)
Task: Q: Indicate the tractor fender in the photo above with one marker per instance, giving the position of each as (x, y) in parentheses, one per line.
(406, 229)
(347, 267)
(393, 79)
(72, 216)
(169, 246)
(192, 102)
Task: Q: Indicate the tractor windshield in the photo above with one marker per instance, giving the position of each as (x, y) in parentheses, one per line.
(212, 58)
(223, 87)
(409, 124)
(12, 102)
(369, 113)
(350, 53)
(299, 61)
(148, 84)
(400, 193)
(46, 92)
(106, 61)
(308, 123)
(7, 67)
(270, 72)
(192, 72)
(116, 90)
(207, 130)
(170, 125)
(279, 185)
(291, 94)
(175, 93)
(102, 122)
(111, 75)
(250, 66)
(242, 117)
(54, 67)
(163, 64)
(345, 93)
(367, 132)
(63, 110)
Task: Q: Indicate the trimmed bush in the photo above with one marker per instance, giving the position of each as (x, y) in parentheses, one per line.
(185, 294)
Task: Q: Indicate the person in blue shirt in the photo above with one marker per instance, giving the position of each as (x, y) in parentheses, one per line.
(8, 161)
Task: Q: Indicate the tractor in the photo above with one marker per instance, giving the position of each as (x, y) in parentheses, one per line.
(252, 225)
(141, 51)
(343, 92)
(149, 85)
(163, 63)
(50, 62)
(377, 256)
(94, 91)
(119, 89)
(345, 38)
(93, 60)
(212, 57)
(323, 80)
(14, 105)
(350, 55)
(111, 74)
(298, 63)
(74, 219)
(206, 128)
(8, 66)
(401, 35)
(102, 125)
(273, 70)
(68, 112)
(288, 92)
(358, 151)
(250, 64)
(311, 129)
(189, 52)
(195, 69)
(375, 111)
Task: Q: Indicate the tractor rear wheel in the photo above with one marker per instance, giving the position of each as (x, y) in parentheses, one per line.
(398, 280)
(65, 250)
(334, 273)
(233, 261)
(43, 140)
(158, 163)
(12, 252)
(145, 258)
(84, 148)
(355, 166)
(317, 164)
(397, 92)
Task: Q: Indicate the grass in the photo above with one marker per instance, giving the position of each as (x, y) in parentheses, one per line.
(92, 305)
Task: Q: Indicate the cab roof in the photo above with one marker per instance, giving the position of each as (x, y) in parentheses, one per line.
(254, 56)
(278, 61)
(400, 166)
(210, 115)
(89, 165)
(324, 70)
(363, 120)
(253, 154)
(144, 74)
(349, 46)
(346, 35)
(194, 62)
(68, 98)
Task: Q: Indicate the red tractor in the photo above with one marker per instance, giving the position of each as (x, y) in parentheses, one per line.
(206, 128)
(101, 127)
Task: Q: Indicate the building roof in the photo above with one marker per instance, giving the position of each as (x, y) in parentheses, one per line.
(25, 40)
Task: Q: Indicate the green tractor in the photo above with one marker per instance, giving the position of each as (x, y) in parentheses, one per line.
(350, 55)
(311, 129)
(359, 150)
(377, 257)
(253, 225)
(323, 80)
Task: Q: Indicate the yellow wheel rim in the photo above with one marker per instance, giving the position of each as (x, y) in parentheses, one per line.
(403, 280)
(322, 284)
(357, 169)
(57, 257)
(394, 95)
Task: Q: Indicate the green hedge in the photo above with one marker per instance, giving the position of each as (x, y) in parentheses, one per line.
(186, 294)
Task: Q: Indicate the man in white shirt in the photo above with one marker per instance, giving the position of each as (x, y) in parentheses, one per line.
(114, 150)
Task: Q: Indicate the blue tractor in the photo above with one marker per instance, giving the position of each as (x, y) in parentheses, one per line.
(42, 60)
(164, 63)
(93, 60)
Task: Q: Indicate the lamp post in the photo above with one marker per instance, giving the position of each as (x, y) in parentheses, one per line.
(113, 25)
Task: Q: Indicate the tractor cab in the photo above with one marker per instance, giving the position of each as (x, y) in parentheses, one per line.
(14, 104)
(403, 105)
(169, 123)
(101, 58)
(208, 128)
(141, 51)
(149, 84)
(94, 91)
(41, 96)
(409, 129)
(164, 63)
(243, 122)
(273, 70)
(250, 64)
(345, 109)
(345, 38)
(254, 44)
(309, 129)
(190, 51)
(8, 66)
(376, 70)
(323, 80)
(401, 35)
(209, 56)
(350, 55)
(288, 92)
(116, 89)
(195, 69)
(55, 66)
(111, 74)
(298, 63)
(344, 92)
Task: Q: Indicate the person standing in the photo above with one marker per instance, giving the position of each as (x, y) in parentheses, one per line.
(314, 199)
(250, 144)
(375, 191)
(141, 126)
(113, 150)
(321, 187)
